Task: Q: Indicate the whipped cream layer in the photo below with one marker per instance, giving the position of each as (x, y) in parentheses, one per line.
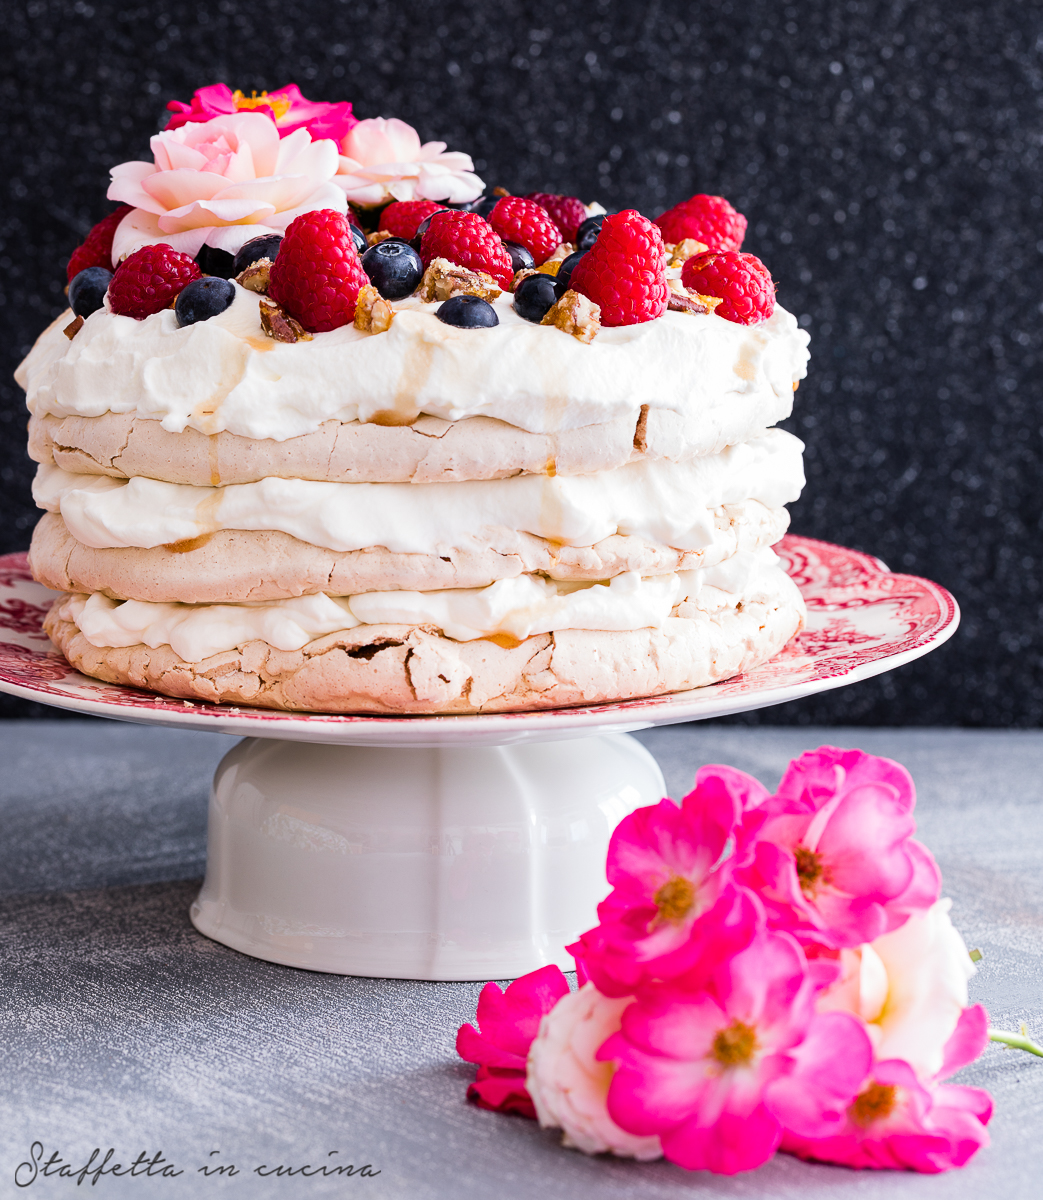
(664, 502)
(224, 374)
(517, 608)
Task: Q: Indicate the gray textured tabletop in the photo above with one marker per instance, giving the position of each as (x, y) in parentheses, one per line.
(121, 1026)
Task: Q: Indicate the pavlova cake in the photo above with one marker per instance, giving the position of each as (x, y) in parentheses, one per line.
(498, 453)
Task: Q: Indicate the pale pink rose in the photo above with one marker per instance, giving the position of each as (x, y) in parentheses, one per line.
(383, 160)
(568, 1084)
(222, 182)
(910, 987)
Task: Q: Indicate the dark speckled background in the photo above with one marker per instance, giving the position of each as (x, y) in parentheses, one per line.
(887, 156)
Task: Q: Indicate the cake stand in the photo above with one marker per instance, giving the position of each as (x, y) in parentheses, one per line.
(468, 847)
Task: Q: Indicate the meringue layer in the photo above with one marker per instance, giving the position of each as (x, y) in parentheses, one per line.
(664, 502)
(517, 608)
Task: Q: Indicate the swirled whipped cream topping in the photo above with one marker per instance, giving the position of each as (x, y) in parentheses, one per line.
(665, 502)
(517, 608)
(224, 374)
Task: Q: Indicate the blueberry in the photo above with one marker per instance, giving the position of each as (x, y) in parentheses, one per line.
(468, 312)
(587, 234)
(484, 206)
(468, 205)
(534, 295)
(394, 268)
(520, 257)
(265, 246)
(421, 229)
(216, 262)
(359, 238)
(202, 299)
(87, 290)
(565, 270)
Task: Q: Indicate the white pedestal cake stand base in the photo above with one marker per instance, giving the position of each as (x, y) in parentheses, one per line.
(456, 847)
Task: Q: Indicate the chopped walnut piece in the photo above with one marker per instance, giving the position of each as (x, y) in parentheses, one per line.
(691, 302)
(256, 276)
(551, 265)
(73, 328)
(379, 235)
(443, 280)
(524, 273)
(279, 325)
(678, 253)
(373, 314)
(498, 191)
(575, 314)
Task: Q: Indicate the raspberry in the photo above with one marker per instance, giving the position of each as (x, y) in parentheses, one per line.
(566, 212)
(527, 223)
(624, 271)
(317, 274)
(708, 219)
(150, 280)
(468, 241)
(401, 217)
(742, 281)
(96, 250)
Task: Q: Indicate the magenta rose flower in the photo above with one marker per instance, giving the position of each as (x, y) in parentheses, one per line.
(896, 1121)
(669, 884)
(286, 107)
(695, 1064)
(507, 1023)
(832, 855)
(222, 182)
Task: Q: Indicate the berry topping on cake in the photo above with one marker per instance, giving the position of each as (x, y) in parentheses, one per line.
(358, 235)
(587, 234)
(87, 290)
(202, 299)
(394, 268)
(567, 212)
(624, 272)
(708, 219)
(535, 295)
(527, 223)
(401, 217)
(469, 241)
(743, 283)
(150, 280)
(566, 267)
(318, 274)
(521, 259)
(468, 312)
(265, 246)
(96, 250)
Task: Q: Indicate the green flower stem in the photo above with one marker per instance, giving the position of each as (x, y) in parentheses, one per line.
(1017, 1041)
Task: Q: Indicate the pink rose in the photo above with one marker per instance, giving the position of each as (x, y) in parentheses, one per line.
(567, 1083)
(508, 1021)
(383, 160)
(697, 1058)
(286, 107)
(831, 854)
(896, 1121)
(222, 182)
(669, 885)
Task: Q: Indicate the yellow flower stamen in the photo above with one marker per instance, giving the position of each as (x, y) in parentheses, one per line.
(734, 1046)
(279, 105)
(873, 1104)
(675, 899)
(810, 870)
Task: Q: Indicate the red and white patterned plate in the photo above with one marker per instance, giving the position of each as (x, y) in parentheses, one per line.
(862, 620)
